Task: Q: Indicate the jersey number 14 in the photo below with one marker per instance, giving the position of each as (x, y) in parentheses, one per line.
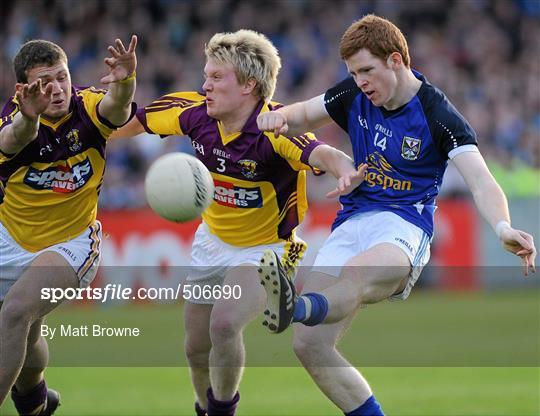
(380, 142)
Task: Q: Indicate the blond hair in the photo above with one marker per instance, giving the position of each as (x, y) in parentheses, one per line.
(251, 54)
(379, 36)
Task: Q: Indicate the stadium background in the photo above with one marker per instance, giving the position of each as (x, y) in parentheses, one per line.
(483, 54)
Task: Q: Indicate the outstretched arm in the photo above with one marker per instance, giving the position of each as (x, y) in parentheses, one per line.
(131, 129)
(33, 100)
(493, 206)
(340, 165)
(295, 119)
(116, 105)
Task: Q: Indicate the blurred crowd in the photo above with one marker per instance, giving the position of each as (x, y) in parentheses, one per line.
(485, 55)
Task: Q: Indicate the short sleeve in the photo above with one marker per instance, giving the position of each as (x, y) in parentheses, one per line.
(452, 133)
(6, 118)
(296, 150)
(91, 97)
(338, 101)
(162, 116)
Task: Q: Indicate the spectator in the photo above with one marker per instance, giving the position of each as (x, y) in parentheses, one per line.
(478, 53)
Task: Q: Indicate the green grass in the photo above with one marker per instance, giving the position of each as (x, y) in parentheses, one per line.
(289, 391)
(436, 354)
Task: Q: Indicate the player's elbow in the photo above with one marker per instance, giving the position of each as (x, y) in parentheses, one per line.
(118, 116)
(319, 156)
(10, 145)
(486, 188)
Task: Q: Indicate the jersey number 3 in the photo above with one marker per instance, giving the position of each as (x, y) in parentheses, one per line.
(221, 167)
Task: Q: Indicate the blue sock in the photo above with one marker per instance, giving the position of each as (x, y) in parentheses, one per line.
(310, 309)
(371, 407)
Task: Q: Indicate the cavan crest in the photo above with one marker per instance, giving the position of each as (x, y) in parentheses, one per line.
(73, 140)
(248, 168)
(410, 148)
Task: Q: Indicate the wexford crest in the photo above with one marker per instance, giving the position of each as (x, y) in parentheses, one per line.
(73, 140)
(248, 167)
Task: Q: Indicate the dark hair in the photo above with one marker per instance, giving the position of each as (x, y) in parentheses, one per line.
(35, 53)
(378, 35)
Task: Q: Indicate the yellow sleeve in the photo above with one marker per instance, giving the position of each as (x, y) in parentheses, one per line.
(295, 150)
(163, 115)
(8, 113)
(4, 157)
(91, 97)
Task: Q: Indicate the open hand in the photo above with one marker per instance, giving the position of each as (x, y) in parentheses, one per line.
(123, 63)
(348, 182)
(33, 99)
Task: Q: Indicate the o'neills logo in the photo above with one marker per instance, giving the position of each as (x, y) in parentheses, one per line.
(61, 179)
(235, 196)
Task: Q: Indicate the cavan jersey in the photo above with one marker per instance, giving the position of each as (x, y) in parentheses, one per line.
(260, 180)
(49, 190)
(406, 150)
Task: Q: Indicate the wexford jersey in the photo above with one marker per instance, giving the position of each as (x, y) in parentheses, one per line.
(260, 180)
(49, 190)
(406, 150)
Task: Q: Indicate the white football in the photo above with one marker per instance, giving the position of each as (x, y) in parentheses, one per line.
(178, 187)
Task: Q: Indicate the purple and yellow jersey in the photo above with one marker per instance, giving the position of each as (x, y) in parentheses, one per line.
(49, 190)
(260, 180)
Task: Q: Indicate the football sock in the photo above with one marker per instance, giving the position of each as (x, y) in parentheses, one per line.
(199, 410)
(310, 309)
(30, 403)
(221, 407)
(370, 408)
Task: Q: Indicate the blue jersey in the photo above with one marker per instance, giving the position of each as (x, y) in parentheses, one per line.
(406, 150)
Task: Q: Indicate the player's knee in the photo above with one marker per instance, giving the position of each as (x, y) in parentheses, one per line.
(303, 350)
(354, 281)
(309, 350)
(369, 293)
(197, 353)
(223, 328)
(364, 287)
(15, 313)
(34, 336)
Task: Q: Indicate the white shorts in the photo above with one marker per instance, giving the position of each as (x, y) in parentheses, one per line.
(211, 258)
(365, 230)
(82, 253)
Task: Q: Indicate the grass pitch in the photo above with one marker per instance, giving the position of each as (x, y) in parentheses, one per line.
(289, 391)
(436, 354)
